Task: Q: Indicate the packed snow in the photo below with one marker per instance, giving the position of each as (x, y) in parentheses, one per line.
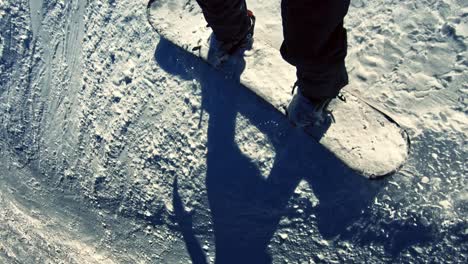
(118, 147)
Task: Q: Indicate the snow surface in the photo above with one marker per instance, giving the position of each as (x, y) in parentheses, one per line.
(116, 146)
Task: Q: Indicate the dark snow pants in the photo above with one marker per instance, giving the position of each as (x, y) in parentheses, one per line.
(314, 39)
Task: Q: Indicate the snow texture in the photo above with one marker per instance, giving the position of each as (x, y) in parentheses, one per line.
(117, 147)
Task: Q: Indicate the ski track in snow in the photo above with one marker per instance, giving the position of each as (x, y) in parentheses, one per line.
(94, 106)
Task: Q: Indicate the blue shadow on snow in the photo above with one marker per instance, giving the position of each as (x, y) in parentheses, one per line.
(246, 208)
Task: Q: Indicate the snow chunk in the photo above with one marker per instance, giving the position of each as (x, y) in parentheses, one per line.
(462, 29)
(283, 236)
(445, 204)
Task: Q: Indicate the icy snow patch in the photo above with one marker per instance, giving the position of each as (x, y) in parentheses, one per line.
(2, 10)
(255, 145)
(1, 46)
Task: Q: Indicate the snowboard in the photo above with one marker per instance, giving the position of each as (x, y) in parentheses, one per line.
(363, 137)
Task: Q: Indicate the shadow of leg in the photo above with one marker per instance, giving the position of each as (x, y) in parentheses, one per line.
(184, 220)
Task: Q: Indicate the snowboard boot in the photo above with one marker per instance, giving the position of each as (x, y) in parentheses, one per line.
(228, 48)
(311, 115)
(244, 41)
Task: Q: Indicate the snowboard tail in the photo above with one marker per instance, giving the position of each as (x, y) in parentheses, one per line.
(362, 136)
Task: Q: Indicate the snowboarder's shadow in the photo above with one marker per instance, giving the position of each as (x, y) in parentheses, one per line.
(246, 206)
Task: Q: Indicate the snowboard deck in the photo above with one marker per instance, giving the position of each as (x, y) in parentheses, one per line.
(364, 138)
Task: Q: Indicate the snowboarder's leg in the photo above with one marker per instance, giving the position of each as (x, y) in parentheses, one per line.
(315, 42)
(228, 19)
